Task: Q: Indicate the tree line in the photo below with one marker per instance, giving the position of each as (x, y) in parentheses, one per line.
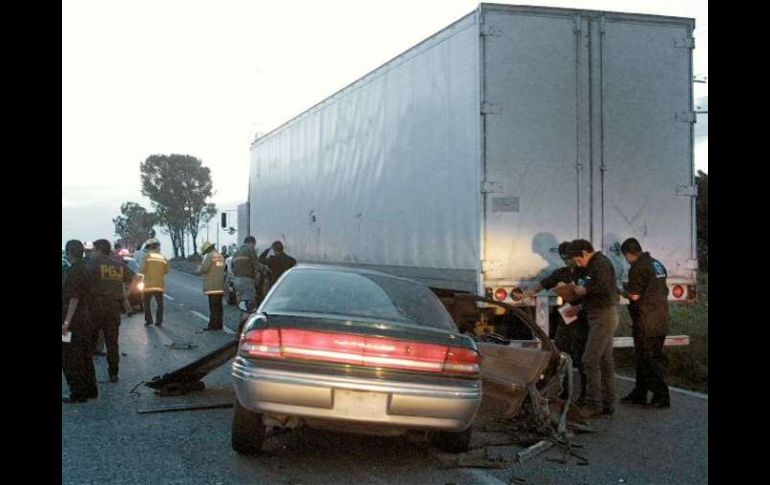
(178, 187)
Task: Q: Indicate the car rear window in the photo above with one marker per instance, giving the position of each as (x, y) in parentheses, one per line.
(358, 295)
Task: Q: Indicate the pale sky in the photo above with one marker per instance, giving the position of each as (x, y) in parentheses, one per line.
(201, 78)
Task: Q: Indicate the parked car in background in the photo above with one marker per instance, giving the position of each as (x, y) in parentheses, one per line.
(354, 350)
(134, 289)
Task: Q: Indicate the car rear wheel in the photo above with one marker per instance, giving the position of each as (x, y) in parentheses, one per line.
(248, 431)
(450, 441)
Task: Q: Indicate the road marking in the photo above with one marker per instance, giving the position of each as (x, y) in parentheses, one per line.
(484, 477)
(199, 315)
(168, 296)
(699, 395)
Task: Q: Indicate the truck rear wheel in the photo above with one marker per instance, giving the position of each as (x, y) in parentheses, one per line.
(248, 431)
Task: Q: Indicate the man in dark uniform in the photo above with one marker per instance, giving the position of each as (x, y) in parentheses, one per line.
(277, 260)
(647, 293)
(568, 338)
(77, 361)
(600, 303)
(108, 275)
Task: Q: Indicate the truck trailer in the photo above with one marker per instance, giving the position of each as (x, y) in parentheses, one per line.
(463, 162)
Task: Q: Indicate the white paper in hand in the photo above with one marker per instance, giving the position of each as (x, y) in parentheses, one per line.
(66, 337)
(563, 310)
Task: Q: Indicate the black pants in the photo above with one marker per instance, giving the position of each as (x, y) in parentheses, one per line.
(216, 312)
(78, 365)
(572, 340)
(105, 316)
(147, 297)
(650, 362)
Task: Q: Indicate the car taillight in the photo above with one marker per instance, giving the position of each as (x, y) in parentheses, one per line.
(678, 291)
(360, 350)
(462, 361)
(261, 343)
(501, 294)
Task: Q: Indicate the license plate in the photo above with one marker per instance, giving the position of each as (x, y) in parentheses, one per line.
(359, 404)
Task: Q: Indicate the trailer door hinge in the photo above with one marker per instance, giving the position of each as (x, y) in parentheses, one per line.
(688, 264)
(491, 187)
(687, 190)
(491, 109)
(686, 43)
(685, 116)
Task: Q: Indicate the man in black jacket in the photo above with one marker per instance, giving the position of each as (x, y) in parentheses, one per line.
(600, 303)
(277, 260)
(77, 359)
(647, 293)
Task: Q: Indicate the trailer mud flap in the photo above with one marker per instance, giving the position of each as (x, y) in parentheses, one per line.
(188, 377)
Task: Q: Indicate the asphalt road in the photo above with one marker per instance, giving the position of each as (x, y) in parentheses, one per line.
(115, 440)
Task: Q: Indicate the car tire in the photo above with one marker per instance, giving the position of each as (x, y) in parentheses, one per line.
(248, 431)
(451, 442)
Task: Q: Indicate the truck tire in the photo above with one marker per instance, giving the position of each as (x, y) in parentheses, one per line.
(248, 431)
(451, 442)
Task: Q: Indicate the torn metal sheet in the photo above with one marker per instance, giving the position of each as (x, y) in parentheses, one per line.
(198, 369)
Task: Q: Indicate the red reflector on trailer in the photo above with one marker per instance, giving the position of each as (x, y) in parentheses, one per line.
(501, 294)
(678, 291)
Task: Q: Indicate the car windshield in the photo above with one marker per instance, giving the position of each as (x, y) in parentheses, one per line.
(358, 295)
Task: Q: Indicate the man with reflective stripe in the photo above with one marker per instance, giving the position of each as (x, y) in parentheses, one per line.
(154, 268)
(213, 271)
(247, 272)
(108, 276)
(647, 293)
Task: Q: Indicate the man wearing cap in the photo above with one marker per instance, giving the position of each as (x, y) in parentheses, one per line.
(154, 268)
(109, 276)
(213, 271)
(647, 293)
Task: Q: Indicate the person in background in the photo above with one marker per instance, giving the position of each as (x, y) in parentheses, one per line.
(109, 276)
(154, 268)
(77, 361)
(277, 260)
(213, 271)
(600, 303)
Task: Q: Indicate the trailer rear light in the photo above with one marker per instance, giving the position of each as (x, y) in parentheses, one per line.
(501, 294)
(678, 291)
(692, 293)
(358, 350)
(517, 294)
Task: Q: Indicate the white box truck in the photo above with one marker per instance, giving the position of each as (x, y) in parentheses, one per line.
(464, 161)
